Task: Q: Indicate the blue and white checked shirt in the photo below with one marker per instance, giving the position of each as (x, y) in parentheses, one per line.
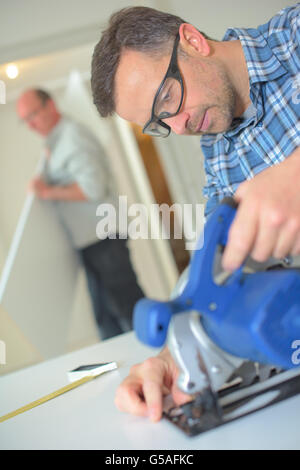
(272, 131)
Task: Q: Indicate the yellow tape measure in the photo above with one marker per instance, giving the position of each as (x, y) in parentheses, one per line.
(46, 398)
(103, 368)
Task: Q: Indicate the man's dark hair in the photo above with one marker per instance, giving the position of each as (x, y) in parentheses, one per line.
(139, 28)
(43, 95)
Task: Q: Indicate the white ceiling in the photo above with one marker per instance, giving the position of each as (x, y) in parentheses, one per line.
(47, 40)
(50, 39)
(35, 27)
(49, 70)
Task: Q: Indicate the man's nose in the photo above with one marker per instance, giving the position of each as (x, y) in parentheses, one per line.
(178, 123)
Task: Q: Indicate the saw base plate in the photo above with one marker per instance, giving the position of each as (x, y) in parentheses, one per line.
(235, 400)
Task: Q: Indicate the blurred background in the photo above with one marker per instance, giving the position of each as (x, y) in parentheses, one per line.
(43, 312)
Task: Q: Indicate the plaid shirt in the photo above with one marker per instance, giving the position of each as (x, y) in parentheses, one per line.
(272, 133)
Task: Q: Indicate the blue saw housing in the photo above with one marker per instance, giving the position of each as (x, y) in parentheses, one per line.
(253, 316)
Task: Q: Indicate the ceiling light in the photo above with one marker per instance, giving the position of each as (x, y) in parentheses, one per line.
(12, 71)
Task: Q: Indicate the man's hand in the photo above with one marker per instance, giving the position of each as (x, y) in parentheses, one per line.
(40, 188)
(267, 221)
(142, 392)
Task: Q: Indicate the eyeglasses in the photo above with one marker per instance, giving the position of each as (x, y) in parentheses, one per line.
(168, 99)
(33, 114)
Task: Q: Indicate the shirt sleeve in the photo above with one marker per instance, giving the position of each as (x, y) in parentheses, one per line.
(287, 23)
(87, 166)
(212, 190)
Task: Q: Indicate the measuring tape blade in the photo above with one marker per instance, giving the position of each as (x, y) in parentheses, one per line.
(48, 397)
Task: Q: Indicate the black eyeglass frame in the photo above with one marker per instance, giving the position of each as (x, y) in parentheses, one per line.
(172, 72)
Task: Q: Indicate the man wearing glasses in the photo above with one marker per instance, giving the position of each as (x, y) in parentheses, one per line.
(240, 96)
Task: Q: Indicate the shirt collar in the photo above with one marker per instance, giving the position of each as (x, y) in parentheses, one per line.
(262, 65)
(51, 138)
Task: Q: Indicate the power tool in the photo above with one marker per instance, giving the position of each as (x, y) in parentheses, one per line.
(234, 336)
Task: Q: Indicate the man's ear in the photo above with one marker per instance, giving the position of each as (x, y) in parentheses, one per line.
(192, 41)
(51, 105)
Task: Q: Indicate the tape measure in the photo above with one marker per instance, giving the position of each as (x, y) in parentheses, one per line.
(60, 391)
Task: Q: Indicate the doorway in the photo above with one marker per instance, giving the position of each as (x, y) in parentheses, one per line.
(161, 192)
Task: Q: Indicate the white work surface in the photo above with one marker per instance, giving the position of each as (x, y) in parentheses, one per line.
(86, 417)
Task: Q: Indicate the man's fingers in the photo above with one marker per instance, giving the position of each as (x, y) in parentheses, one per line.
(141, 393)
(295, 251)
(273, 196)
(153, 398)
(154, 373)
(287, 240)
(261, 233)
(267, 236)
(129, 398)
(241, 237)
(31, 185)
(179, 397)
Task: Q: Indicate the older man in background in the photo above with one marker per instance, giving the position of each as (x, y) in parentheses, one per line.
(76, 178)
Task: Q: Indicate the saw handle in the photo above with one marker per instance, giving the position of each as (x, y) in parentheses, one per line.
(151, 317)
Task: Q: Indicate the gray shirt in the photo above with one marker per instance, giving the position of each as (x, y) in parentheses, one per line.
(74, 155)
